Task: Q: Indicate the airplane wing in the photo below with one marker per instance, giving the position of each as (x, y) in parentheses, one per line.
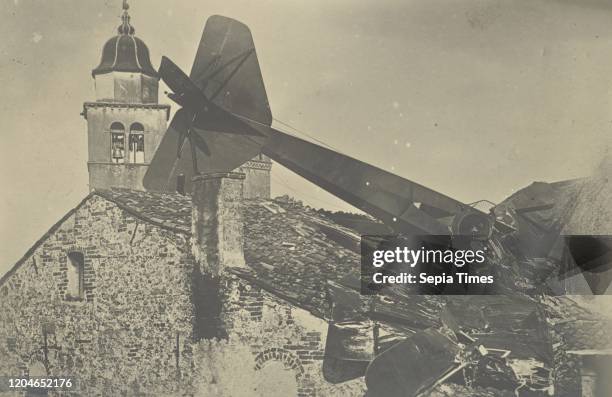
(404, 205)
(412, 366)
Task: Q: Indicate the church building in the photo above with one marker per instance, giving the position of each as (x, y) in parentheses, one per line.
(218, 293)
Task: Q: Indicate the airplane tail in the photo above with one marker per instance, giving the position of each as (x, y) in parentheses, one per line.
(227, 70)
(224, 87)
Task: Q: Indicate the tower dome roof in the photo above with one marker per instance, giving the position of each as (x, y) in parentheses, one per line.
(125, 52)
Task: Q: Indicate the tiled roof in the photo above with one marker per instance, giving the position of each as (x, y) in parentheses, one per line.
(295, 250)
(592, 212)
(540, 212)
(586, 334)
(579, 206)
(290, 249)
(578, 322)
(555, 198)
(170, 210)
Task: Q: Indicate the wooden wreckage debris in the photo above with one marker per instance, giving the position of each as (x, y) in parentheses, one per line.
(405, 348)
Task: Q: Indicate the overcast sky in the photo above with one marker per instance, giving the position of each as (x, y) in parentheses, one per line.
(472, 98)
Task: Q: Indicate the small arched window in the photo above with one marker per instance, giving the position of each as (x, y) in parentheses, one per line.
(117, 131)
(136, 152)
(75, 276)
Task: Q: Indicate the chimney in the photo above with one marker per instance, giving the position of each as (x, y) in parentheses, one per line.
(217, 234)
(217, 225)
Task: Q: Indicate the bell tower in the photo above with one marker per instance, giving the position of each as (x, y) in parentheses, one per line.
(125, 123)
(257, 177)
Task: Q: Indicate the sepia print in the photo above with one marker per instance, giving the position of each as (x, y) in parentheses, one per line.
(332, 198)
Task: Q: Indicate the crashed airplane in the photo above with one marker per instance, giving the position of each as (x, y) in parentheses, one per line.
(403, 344)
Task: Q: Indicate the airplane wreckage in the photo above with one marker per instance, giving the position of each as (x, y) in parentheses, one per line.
(403, 344)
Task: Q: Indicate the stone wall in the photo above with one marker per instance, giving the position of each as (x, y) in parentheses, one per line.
(136, 329)
(133, 325)
(273, 348)
(107, 175)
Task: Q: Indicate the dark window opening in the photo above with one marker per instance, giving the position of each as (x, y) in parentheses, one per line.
(117, 142)
(136, 146)
(75, 276)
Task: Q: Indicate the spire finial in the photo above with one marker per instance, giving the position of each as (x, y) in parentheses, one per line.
(125, 27)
